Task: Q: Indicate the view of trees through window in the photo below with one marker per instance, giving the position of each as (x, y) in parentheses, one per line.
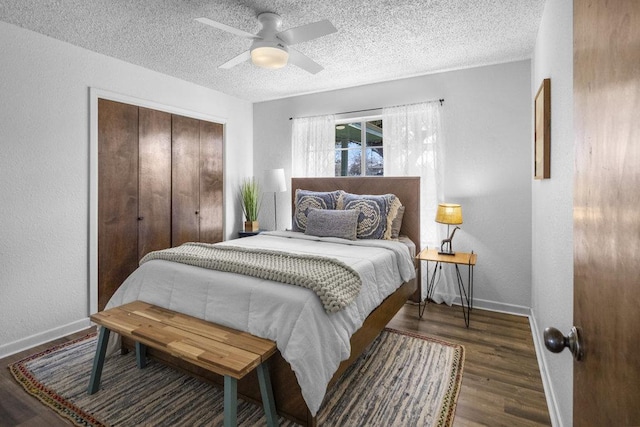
(359, 148)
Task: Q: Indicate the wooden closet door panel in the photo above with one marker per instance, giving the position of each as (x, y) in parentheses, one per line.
(118, 200)
(185, 179)
(211, 201)
(154, 207)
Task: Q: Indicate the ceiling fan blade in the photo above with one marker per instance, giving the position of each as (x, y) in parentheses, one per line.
(237, 60)
(227, 28)
(306, 32)
(304, 62)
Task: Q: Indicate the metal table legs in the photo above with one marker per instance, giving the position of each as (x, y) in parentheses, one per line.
(465, 293)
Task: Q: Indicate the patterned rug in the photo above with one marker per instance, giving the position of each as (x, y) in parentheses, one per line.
(401, 380)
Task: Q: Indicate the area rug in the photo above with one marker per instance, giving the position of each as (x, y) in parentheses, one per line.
(402, 380)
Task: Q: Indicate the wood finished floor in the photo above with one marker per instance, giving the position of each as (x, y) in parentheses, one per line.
(501, 384)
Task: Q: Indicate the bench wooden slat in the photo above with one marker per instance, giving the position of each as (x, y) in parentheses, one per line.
(203, 328)
(157, 334)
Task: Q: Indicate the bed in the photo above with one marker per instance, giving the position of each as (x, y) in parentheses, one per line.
(298, 394)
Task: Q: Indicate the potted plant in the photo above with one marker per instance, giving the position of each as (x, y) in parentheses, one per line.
(250, 201)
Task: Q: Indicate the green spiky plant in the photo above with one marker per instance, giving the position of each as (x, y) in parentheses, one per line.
(250, 199)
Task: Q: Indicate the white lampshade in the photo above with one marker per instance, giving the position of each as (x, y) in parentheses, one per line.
(269, 57)
(274, 181)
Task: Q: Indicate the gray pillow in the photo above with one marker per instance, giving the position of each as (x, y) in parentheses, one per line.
(332, 223)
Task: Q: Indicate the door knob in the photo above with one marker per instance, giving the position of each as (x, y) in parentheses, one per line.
(556, 342)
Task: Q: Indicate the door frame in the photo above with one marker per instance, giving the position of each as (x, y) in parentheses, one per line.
(94, 95)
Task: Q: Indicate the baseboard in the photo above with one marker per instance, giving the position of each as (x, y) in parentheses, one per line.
(501, 307)
(552, 402)
(43, 337)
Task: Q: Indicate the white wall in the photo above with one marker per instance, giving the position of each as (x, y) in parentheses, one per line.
(44, 173)
(488, 162)
(552, 212)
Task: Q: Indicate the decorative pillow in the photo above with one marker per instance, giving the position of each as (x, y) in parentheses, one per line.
(394, 208)
(332, 223)
(373, 212)
(306, 200)
(396, 224)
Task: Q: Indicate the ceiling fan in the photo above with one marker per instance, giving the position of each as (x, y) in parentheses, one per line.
(270, 47)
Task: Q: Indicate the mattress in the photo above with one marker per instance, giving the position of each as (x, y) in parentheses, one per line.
(313, 341)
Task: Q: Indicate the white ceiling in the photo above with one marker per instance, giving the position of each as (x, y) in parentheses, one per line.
(376, 40)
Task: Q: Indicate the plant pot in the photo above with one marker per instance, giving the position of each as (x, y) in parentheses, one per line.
(251, 226)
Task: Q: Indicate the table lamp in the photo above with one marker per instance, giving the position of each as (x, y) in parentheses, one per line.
(450, 214)
(274, 181)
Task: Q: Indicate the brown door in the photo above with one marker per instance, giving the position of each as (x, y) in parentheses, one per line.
(118, 196)
(154, 208)
(197, 204)
(186, 180)
(606, 385)
(211, 182)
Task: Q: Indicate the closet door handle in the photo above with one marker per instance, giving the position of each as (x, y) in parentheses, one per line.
(140, 218)
(197, 212)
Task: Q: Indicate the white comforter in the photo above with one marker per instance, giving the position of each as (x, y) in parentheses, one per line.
(311, 340)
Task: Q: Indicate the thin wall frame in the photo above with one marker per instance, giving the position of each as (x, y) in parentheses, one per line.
(542, 137)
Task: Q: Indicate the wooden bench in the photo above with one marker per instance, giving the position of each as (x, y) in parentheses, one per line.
(216, 348)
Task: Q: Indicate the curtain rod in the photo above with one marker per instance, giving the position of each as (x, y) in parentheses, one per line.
(441, 100)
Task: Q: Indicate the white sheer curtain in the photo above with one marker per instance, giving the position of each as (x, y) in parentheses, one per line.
(313, 142)
(413, 138)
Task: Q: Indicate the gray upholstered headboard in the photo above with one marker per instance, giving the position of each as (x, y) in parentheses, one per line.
(407, 189)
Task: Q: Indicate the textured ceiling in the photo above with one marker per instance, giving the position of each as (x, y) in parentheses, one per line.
(376, 40)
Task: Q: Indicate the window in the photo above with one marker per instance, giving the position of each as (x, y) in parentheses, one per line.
(359, 148)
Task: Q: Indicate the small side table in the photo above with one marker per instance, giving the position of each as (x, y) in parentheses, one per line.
(460, 258)
(243, 233)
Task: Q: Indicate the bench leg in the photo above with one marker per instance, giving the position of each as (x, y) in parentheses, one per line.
(230, 401)
(141, 355)
(98, 360)
(267, 395)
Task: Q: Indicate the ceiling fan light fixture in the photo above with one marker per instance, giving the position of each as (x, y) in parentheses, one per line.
(270, 46)
(269, 57)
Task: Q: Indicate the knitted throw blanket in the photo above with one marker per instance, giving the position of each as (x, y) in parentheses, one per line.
(334, 282)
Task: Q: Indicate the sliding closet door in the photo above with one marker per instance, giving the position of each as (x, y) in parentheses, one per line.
(185, 180)
(118, 196)
(154, 207)
(211, 182)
